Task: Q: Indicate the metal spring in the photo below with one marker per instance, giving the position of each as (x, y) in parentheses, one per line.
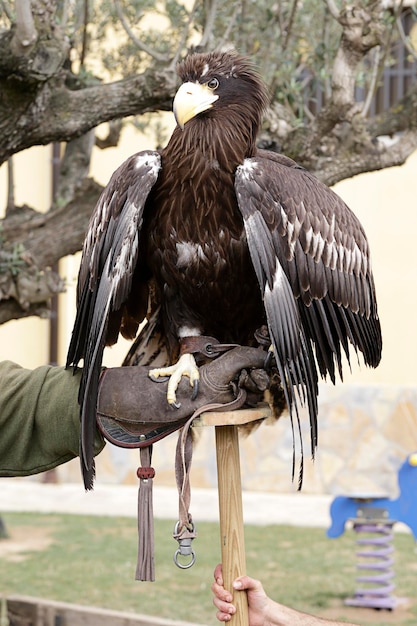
(378, 554)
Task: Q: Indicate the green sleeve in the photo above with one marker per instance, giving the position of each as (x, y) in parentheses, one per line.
(39, 419)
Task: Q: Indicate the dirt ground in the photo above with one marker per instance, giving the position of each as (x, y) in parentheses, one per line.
(22, 540)
(367, 616)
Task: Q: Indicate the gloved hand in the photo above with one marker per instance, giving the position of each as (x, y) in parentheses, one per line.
(132, 409)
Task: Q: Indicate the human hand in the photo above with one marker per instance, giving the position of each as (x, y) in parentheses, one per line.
(257, 599)
(262, 611)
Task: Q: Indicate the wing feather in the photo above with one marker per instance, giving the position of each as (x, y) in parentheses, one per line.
(295, 223)
(292, 352)
(109, 258)
(320, 243)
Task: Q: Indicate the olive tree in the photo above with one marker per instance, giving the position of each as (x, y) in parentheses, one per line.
(68, 66)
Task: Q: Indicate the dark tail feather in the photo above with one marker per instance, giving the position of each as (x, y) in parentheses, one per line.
(89, 474)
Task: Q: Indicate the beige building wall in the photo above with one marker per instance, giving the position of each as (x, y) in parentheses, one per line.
(386, 203)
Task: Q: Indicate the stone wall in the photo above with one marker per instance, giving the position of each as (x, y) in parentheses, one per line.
(365, 433)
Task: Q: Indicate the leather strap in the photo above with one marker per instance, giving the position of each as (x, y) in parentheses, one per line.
(204, 345)
(184, 529)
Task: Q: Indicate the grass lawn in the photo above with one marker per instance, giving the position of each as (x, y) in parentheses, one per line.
(91, 560)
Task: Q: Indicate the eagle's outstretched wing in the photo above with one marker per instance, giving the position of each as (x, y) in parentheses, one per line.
(109, 258)
(311, 257)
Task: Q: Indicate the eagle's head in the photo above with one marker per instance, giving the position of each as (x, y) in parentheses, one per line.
(220, 85)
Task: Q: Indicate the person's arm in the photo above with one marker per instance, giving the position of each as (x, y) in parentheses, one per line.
(39, 419)
(40, 414)
(262, 610)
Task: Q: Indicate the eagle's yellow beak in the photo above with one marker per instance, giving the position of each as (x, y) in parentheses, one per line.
(190, 100)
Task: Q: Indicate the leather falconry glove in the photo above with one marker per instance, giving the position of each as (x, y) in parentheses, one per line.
(133, 412)
(132, 409)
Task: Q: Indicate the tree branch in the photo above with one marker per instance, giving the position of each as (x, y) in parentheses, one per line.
(360, 34)
(398, 118)
(32, 243)
(74, 167)
(334, 170)
(10, 186)
(47, 237)
(113, 135)
(25, 33)
(289, 25)
(405, 40)
(230, 26)
(26, 65)
(164, 58)
(184, 36)
(332, 6)
(376, 67)
(7, 11)
(209, 23)
(11, 310)
(55, 113)
(363, 29)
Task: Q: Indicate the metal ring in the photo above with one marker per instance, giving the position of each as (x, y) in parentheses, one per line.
(184, 565)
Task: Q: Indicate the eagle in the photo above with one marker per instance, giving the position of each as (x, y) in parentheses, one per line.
(212, 237)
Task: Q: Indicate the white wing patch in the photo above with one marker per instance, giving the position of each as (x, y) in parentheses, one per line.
(149, 160)
(278, 278)
(129, 248)
(314, 244)
(247, 170)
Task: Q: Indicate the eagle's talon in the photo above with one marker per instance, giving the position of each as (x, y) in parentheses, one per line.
(186, 366)
(158, 379)
(175, 405)
(196, 386)
(268, 359)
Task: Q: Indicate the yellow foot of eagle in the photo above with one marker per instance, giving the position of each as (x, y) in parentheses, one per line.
(185, 366)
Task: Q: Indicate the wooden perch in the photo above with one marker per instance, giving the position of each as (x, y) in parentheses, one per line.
(232, 538)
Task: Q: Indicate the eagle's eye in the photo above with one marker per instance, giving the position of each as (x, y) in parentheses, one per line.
(213, 83)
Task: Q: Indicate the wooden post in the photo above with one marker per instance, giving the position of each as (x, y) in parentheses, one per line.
(232, 537)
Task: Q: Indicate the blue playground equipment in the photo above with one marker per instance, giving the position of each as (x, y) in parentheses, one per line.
(373, 519)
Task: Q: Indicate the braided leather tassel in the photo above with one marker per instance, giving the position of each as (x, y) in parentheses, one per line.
(145, 568)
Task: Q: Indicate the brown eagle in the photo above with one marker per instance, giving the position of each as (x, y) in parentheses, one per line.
(211, 236)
